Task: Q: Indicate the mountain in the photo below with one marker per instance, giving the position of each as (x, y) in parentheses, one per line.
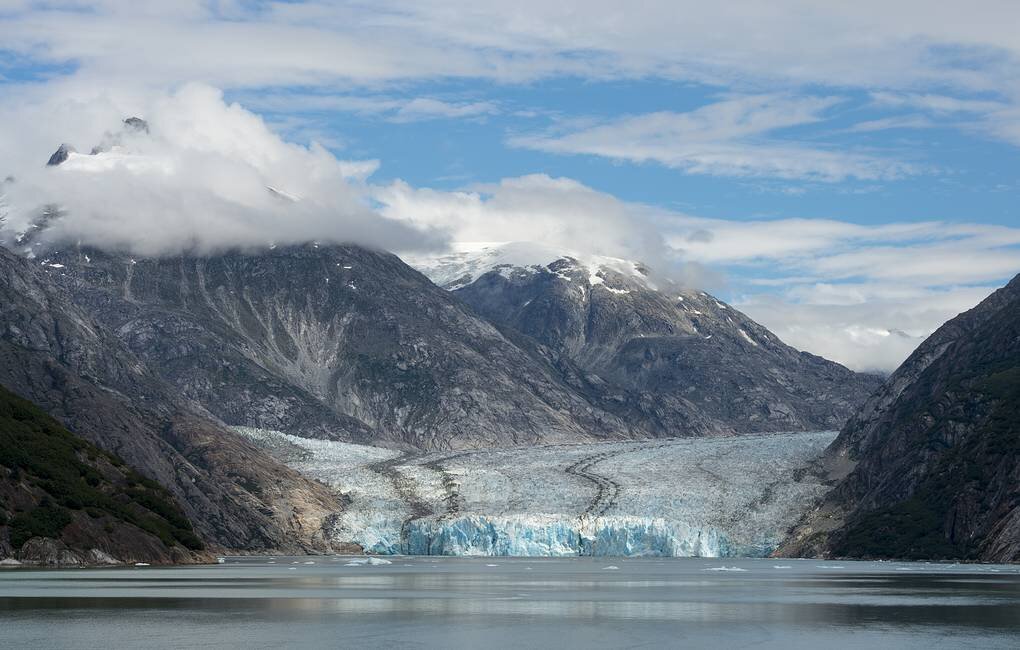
(329, 341)
(930, 466)
(64, 501)
(56, 355)
(661, 356)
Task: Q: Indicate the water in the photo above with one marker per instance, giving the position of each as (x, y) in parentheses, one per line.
(427, 602)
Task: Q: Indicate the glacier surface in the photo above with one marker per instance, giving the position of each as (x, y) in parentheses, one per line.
(703, 497)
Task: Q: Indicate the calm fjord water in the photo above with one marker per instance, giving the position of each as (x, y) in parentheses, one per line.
(427, 602)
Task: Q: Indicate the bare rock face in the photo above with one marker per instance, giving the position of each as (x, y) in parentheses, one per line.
(55, 354)
(670, 359)
(60, 155)
(930, 466)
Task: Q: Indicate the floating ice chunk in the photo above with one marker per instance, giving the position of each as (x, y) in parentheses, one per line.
(781, 566)
(725, 568)
(611, 567)
(371, 561)
(141, 564)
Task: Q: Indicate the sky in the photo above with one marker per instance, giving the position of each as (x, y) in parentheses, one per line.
(848, 174)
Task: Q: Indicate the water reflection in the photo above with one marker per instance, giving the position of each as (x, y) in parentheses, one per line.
(428, 602)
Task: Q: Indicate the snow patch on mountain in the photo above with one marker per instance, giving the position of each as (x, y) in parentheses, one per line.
(465, 262)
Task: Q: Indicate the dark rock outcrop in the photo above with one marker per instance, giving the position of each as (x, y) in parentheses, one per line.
(930, 466)
(60, 155)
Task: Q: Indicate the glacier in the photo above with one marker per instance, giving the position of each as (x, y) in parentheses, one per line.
(538, 535)
(700, 497)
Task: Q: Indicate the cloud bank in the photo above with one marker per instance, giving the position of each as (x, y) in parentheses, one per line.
(206, 176)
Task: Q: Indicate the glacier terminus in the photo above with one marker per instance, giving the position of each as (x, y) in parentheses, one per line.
(695, 497)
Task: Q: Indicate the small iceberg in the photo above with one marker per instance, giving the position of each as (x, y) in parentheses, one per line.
(141, 564)
(611, 567)
(725, 568)
(781, 566)
(370, 561)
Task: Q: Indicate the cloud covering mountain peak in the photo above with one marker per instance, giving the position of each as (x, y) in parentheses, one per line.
(194, 176)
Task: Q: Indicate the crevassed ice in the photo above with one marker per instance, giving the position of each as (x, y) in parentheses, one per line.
(684, 497)
(557, 537)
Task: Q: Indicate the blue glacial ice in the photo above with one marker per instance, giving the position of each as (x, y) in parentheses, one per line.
(558, 537)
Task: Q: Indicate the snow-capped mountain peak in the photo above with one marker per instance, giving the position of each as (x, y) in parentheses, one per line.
(465, 262)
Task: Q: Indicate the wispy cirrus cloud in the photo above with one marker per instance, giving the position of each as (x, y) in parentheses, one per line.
(386, 107)
(733, 137)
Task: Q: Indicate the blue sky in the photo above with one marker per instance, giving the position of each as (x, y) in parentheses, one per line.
(848, 174)
(959, 176)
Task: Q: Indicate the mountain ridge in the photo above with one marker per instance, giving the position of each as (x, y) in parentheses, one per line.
(930, 466)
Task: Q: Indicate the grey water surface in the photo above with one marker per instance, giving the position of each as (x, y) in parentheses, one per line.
(457, 602)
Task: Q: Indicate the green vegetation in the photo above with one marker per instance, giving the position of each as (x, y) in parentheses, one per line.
(76, 475)
(47, 520)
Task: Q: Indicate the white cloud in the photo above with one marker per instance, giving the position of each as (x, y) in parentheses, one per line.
(416, 109)
(944, 57)
(198, 181)
(935, 103)
(872, 334)
(870, 43)
(424, 108)
(558, 212)
(862, 295)
(733, 137)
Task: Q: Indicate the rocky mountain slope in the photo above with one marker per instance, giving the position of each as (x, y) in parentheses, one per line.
(930, 466)
(349, 343)
(659, 355)
(64, 501)
(328, 341)
(57, 356)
